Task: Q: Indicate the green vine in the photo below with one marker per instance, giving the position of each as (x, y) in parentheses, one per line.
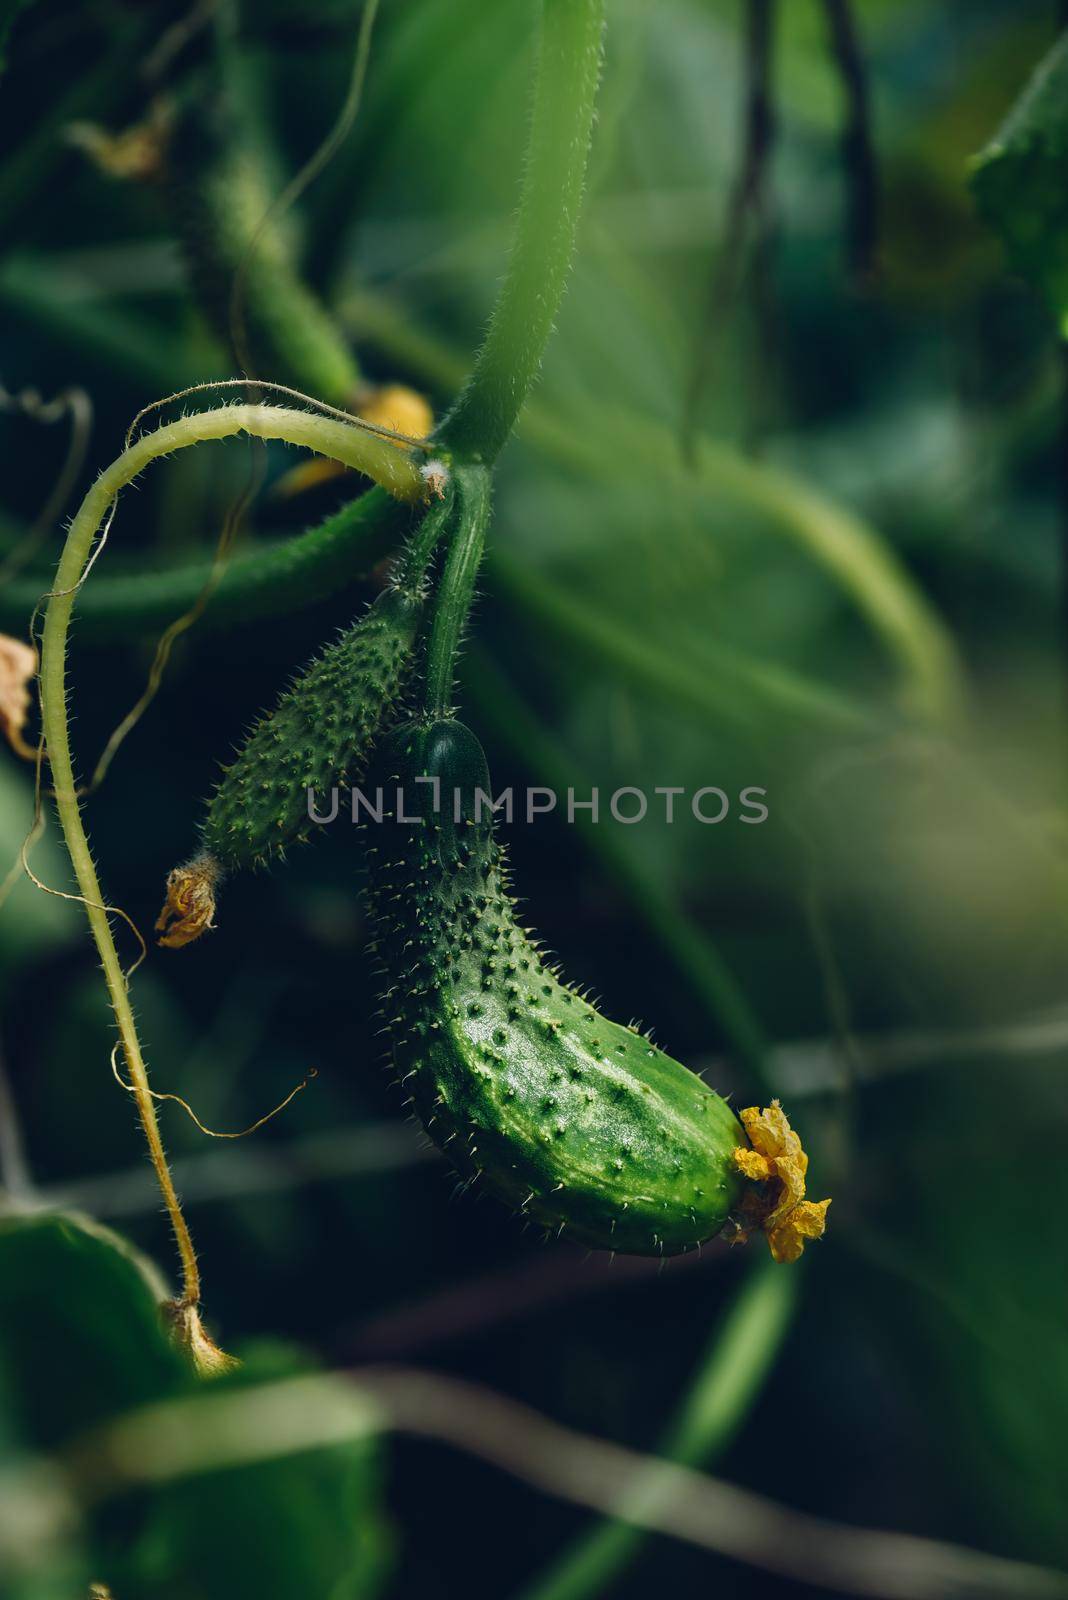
(561, 127)
(457, 589)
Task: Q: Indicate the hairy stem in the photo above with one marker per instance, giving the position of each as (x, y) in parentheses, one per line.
(727, 1382)
(546, 227)
(413, 563)
(261, 582)
(349, 444)
(457, 590)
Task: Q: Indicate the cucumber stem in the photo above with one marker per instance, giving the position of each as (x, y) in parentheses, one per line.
(261, 582)
(414, 560)
(561, 127)
(457, 590)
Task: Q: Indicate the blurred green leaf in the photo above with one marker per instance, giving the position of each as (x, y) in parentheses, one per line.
(304, 1524)
(82, 1340)
(80, 1331)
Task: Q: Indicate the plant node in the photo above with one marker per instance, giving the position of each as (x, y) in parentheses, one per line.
(190, 1335)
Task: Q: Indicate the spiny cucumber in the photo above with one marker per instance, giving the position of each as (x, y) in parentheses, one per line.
(319, 734)
(577, 1122)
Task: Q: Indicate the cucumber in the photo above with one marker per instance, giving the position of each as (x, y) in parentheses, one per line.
(318, 735)
(575, 1121)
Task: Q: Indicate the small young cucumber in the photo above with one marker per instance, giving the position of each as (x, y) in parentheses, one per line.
(575, 1121)
(318, 735)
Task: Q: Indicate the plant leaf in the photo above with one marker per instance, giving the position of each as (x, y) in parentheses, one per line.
(82, 1341)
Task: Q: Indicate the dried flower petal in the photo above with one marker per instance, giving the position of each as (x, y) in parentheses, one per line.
(435, 476)
(18, 663)
(776, 1162)
(753, 1165)
(189, 909)
(807, 1220)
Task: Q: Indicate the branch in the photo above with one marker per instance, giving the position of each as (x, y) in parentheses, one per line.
(256, 583)
(557, 152)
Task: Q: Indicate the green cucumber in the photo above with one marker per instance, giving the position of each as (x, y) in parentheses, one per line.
(322, 730)
(318, 735)
(575, 1121)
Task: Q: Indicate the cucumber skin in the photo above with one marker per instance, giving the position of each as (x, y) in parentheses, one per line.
(320, 734)
(576, 1122)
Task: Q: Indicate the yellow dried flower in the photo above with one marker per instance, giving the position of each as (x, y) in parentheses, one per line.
(189, 909)
(775, 1161)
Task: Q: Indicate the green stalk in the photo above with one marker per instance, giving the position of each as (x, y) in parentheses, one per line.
(413, 563)
(257, 583)
(561, 127)
(457, 589)
(727, 1383)
(129, 345)
(694, 954)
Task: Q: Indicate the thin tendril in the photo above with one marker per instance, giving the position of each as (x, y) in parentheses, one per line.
(17, 869)
(294, 394)
(212, 1133)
